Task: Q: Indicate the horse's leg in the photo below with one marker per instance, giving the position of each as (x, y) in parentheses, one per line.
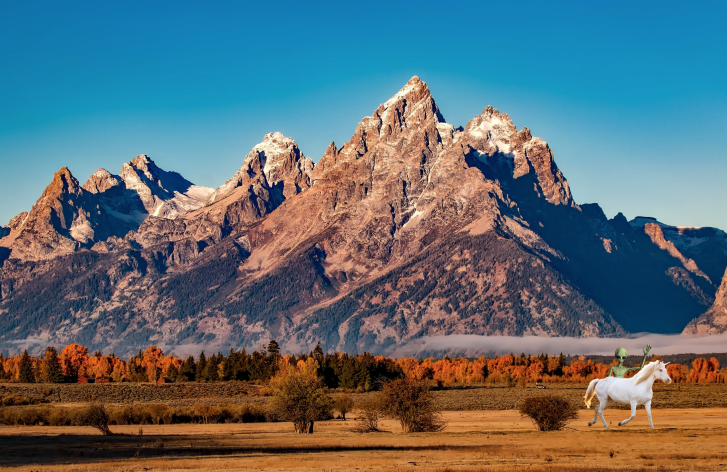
(595, 416)
(602, 407)
(647, 405)
(595, 413)
(633, 414)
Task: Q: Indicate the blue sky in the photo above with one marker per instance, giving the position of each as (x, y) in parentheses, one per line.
(631, 98)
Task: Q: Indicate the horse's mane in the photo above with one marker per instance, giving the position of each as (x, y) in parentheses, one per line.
(644, 373)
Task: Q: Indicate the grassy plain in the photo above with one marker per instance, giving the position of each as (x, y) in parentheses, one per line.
(684, 439)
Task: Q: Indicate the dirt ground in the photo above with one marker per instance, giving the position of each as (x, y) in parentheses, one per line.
(684, 439)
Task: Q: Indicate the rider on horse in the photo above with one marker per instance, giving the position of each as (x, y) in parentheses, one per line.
(620, 370)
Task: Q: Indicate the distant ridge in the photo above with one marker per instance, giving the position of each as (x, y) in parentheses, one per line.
(413, 227)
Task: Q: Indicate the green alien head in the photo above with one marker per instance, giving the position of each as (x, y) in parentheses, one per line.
(621, 354)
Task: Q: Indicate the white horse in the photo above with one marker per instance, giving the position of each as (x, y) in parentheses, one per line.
(636, 391)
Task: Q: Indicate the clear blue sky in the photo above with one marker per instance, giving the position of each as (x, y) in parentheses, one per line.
(631, 96)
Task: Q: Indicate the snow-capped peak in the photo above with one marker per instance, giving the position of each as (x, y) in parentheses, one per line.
(495, 126)
(273, 146)
(279, 159)
(415, 83)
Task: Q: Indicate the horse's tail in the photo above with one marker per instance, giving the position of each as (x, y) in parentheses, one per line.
(590, 392)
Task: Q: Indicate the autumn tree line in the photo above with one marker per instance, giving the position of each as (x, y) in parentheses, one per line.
(362, 372)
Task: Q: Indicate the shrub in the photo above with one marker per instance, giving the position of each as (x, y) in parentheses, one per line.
(343, 405)
(15, 400)
(121, 416)
(9, 416)
(95, 415)
(248, 414)
(61, 416)
(206, 414)
(412, 404)
(369, 412)
(33, 416)
(299, 396)
(135, 415)
(157, 413)
(549, 412)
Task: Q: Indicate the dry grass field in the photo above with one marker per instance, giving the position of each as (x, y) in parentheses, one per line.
(684, 439)
(467, 397)
(499, 397)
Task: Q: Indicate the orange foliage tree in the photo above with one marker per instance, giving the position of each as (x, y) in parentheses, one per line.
(73, 359)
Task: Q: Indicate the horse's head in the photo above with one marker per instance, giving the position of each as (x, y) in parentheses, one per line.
(661, 373)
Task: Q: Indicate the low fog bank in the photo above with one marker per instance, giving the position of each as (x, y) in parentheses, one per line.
(465, 345)
(473, 346)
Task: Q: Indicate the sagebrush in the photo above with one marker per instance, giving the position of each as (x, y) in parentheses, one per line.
(549, 412)
(412, 404)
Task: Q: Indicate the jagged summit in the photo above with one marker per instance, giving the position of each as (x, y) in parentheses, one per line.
(101, 181)
(68, 217)
(413, 95)
(275, 163)
(161, 193)
(279, 155)
(56, 225)
(513, 154)
(63, 183)
(411, 106)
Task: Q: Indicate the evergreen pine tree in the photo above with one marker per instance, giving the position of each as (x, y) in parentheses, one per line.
(209, 373)
(2, 368)
(318, 354)
(25, 370)
(229, 366)
(201, 364)
(172, 372)
(186, 371)
(51, 366)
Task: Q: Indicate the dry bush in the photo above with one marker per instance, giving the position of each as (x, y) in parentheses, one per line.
(9, 416)
(299, 397)
(62, 416)
(121, 416)
(95, 415)
(157, 413)
(25, 416)
(412, 404)
(370, 411)
(549, 412)
(34, 416)
(135, 415)
(248, 414)
(15, 400)
(343, 405)
(206, 414)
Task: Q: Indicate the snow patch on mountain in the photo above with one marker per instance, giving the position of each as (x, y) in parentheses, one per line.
(273, 147)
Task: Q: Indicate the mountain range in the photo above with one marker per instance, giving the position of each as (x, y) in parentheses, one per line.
(411, 228)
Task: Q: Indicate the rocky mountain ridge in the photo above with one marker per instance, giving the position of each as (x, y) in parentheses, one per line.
(714, 321)
(413, 227)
